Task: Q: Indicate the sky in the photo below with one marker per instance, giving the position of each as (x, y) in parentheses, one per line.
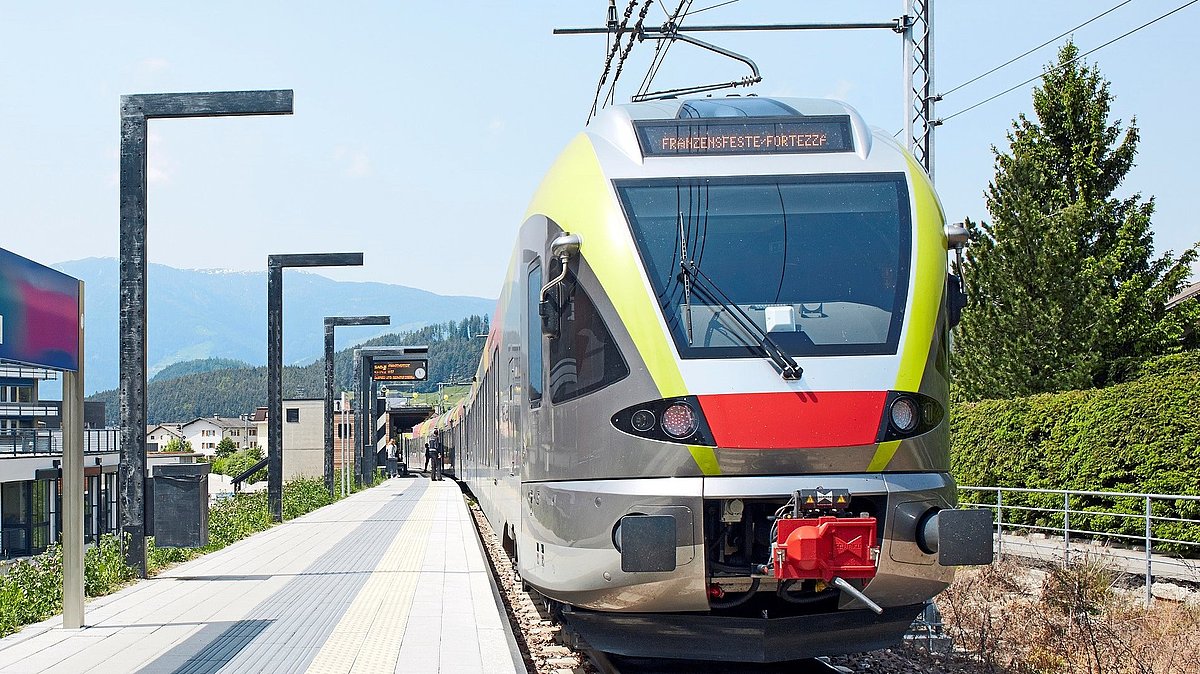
(421, 130)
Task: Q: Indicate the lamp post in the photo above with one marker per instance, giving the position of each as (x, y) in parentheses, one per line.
(136, 111)
(332, 322)
(275, 267)
(245, 443)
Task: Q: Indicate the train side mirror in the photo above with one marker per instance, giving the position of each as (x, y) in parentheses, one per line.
(957, 238)
(564, 247)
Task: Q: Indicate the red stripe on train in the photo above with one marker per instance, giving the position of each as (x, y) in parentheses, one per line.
(794, 420)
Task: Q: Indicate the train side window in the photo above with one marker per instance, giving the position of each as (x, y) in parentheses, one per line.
(533, 327)
(583, 358)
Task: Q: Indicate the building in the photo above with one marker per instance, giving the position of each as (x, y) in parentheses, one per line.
(1189, 292)
(30, 461)
(205, 433)
(158, 436)
(304, 436)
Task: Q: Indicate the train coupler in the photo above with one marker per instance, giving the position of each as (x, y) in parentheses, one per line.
(825, 548)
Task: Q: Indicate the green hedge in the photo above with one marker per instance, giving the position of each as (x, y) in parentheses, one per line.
(1141, 436)
(31, 589)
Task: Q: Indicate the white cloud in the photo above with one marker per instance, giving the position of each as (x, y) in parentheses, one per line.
(360, 165)
(158, 164)
(154, 65)
(842, 91)
(354, 162)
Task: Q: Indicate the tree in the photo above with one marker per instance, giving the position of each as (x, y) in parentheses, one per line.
(226, 447)
(238, 462)
(176, 445)
(1064, 291)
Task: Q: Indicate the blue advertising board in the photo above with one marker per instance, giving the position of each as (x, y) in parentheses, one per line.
(39, 314)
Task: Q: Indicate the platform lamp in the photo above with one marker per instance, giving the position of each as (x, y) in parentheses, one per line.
(332, 322)
(275, 267)
(136, 111)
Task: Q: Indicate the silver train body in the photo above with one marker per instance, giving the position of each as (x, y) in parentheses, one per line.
(753, 308)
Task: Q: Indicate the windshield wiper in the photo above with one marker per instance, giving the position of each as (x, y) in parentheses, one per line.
(687, 281)
(788, 367)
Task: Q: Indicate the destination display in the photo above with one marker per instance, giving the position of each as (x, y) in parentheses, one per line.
(400, 370)
(783, 135)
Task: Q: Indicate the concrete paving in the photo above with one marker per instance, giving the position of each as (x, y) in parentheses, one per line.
(392, 579)
(1051, 549)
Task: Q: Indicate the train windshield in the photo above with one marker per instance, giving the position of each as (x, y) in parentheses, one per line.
(818, 263)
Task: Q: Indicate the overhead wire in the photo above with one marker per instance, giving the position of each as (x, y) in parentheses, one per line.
(1063, 65)
(633, 35)
(616, 46)
(660, 52)
(1027, 53)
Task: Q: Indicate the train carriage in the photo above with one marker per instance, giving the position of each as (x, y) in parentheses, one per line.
(713, 402)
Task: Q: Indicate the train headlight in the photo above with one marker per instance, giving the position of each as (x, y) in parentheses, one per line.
(642, 420)
(679, 421)
(666, 420)
(904, 414)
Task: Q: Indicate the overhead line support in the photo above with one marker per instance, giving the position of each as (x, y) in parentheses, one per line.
(896, 25)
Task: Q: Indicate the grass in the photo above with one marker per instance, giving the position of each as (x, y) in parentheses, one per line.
(1068, 620)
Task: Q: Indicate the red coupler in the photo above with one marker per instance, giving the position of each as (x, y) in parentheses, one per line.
(825, 547)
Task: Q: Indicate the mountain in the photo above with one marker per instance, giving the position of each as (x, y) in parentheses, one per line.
(200, 314)
(187, 367)
(200, 391)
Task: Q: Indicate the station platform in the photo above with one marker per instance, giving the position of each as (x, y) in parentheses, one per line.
(392, 579)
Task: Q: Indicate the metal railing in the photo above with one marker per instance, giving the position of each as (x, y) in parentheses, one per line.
(28, 441)
(1161, 521)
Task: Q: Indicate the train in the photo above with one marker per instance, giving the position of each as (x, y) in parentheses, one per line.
(710, 418)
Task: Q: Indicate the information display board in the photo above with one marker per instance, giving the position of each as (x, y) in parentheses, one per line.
(780, 135)
(39, 314)
(412, 369)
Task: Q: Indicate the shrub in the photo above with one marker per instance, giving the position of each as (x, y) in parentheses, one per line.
(1141, 436)
(303, 496)
(237, 463)
(31, 590)
(104, 568)
(233, 519)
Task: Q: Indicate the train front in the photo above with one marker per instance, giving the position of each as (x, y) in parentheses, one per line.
(772, 480)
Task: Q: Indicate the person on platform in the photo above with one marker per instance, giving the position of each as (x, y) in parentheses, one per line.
(435, 470)
(390, 452)
(428, 457)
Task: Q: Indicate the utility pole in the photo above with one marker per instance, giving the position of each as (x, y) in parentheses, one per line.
(918, 82)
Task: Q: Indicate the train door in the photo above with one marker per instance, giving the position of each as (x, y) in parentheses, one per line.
(530, 445)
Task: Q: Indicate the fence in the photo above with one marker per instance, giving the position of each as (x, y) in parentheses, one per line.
(22, 441)
(1152, 522)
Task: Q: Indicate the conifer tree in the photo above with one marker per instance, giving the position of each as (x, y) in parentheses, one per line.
(1064, 289)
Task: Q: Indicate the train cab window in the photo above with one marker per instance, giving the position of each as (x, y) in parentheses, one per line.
(821, 263)
(533, 328)
(583, 358)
